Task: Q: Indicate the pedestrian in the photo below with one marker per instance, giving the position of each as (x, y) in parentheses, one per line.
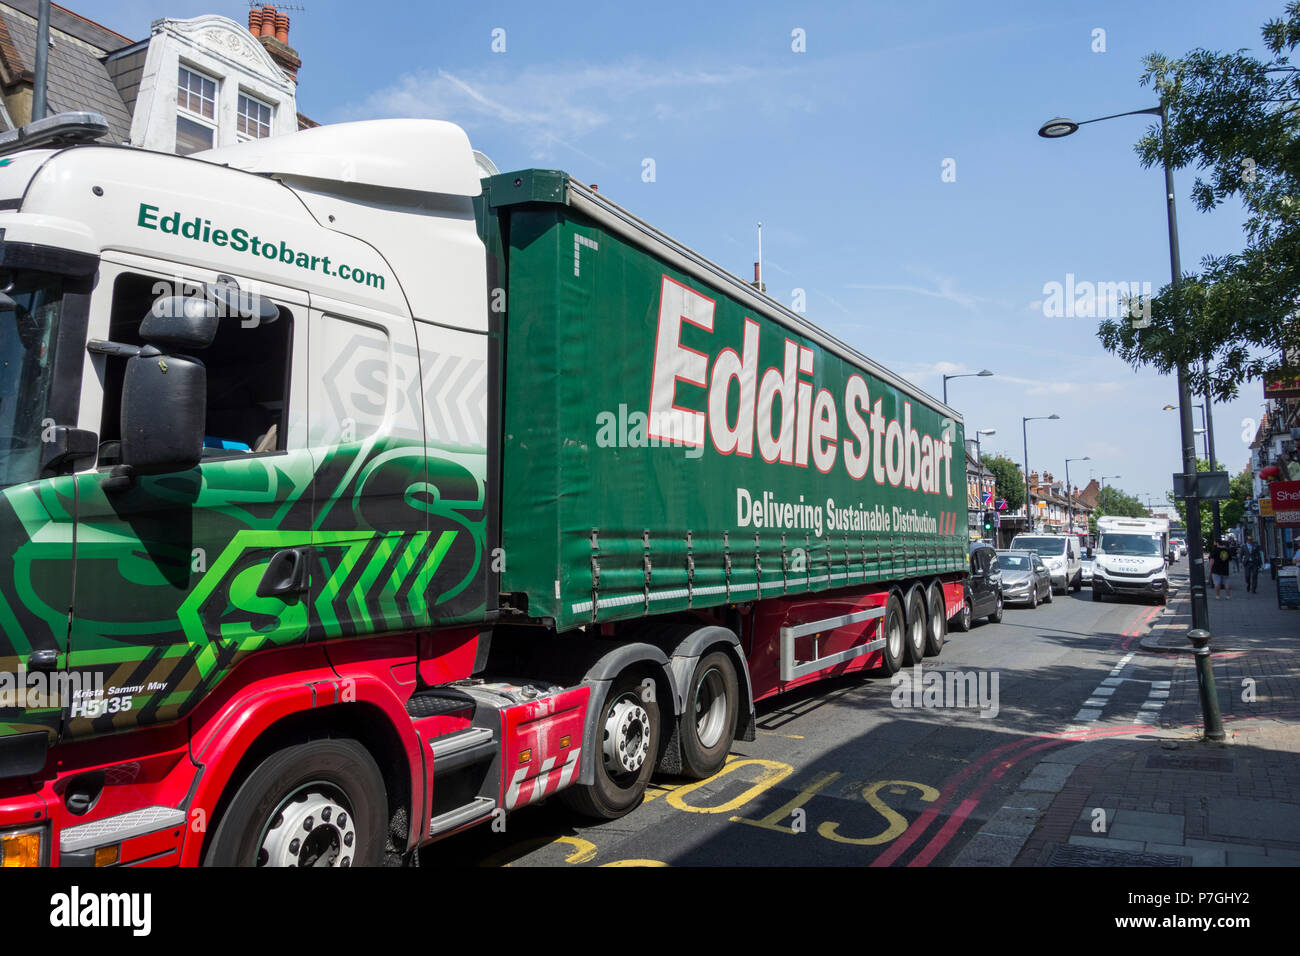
(1252, 558)
(1219, 570)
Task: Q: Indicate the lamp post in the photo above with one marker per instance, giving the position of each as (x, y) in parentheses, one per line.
(1054, 129)
(1102, 479)
(979, 456)
(1024, 429)
(983, 373)
(1207, 429)
(1069, 498)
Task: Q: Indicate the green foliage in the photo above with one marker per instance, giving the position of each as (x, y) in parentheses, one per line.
(1009, 480)
(1112, 501)
(1239, 490)
(1235, 119)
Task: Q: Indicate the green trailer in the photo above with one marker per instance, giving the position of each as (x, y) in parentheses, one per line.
(674, 439)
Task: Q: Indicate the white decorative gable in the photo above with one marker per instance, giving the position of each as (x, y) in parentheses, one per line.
(218, 48)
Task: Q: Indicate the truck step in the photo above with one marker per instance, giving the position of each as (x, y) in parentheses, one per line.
(440, 700)
(462, 749)
(476, 809)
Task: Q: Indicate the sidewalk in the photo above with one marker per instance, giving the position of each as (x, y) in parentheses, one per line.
(1165, 797)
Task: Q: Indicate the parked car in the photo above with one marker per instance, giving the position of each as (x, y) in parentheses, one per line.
(983, 588)
(1025, 578)
(1085, 570)
(1060, 552)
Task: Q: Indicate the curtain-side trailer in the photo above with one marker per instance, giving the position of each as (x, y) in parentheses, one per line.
(351, 500)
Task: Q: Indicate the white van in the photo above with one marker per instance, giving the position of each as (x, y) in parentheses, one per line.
(1061, 554)
(1131, 558)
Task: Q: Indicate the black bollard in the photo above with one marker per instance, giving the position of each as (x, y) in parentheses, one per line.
(1200, 639)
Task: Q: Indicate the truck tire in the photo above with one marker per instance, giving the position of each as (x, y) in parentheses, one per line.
(962, 620)
(322, 803)
(709, 719)
(626, 754)
(1078, 583)
(916, 627)
(893, 627)
(938, 623)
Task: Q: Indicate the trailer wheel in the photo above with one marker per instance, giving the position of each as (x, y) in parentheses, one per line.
(915, 626)
(321, 803)
(962, 621)
(625, 754)
(710, 716)
(893, 626)
(938, 623)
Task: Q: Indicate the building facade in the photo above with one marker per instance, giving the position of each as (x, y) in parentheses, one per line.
(191, 85)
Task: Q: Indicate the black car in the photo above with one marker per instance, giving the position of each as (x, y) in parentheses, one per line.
(983, 588)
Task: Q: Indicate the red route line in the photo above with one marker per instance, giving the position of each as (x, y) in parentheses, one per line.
(968, 805)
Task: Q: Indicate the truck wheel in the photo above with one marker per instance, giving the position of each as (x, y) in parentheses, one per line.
(710, 716)
(1078, 582)
(962, 621)
(938, 621)
(915, 626)
(893, 626)
(626, 754)
(321, 803)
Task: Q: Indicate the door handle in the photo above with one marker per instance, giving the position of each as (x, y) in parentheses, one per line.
(43, 660)
(286, 575)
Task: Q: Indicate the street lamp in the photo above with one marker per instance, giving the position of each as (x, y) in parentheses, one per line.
(1054, 129)
(1024, 429)
(1069, 498)
(983, 373)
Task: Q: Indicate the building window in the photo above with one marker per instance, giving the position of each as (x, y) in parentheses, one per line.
(196, 116)
(253, 120)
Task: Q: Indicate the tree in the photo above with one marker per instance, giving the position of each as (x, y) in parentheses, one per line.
(1112, 501)
(1236, 119)
(1009, 480)
(1240, 491)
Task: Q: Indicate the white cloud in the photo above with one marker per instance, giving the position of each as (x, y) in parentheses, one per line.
(551, 106)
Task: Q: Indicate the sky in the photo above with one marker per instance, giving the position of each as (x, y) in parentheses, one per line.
(889, 150)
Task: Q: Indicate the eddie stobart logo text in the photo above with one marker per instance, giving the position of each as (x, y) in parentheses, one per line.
(241, 240)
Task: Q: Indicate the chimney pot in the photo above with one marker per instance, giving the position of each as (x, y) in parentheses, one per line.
(282, 27)
(757, 277)
(268, 21)
(255, 21)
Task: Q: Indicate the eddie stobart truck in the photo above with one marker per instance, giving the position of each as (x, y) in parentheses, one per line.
(349, 498)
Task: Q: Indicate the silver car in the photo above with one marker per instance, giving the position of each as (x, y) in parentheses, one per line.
(1085, 569)
(1025, 578)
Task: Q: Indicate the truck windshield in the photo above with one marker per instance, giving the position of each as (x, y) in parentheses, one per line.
(29, 313)
(1139, 544)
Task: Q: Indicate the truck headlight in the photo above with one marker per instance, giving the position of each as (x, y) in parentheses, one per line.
(23, 847)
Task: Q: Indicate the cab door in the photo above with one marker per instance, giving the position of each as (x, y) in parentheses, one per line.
(382, 557)
(171, 569)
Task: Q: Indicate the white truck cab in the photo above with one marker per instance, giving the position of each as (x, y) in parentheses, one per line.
(1131, 558)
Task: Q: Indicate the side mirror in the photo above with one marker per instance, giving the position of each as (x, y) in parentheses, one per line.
(179, 322)
(164, 403)
(232, 302)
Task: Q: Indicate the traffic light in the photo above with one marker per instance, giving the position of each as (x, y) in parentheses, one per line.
(990, 522)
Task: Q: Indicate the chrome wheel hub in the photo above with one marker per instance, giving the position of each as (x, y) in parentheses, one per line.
(312, 827)
(627, 737)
